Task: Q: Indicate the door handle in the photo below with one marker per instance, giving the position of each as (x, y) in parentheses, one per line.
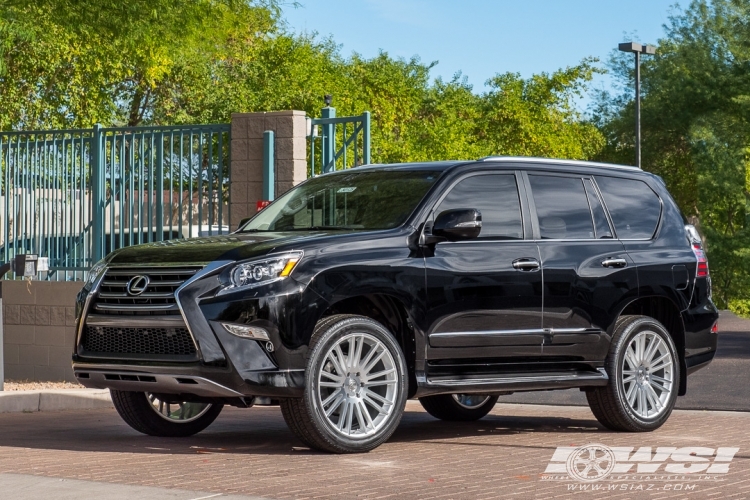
(614, 262)
(526, 264)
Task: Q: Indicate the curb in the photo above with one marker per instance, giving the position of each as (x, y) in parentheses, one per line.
(54, 400)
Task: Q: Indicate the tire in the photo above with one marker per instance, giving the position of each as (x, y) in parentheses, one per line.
(638, 398)
(331, 414)
(456, 407)
(137, 410)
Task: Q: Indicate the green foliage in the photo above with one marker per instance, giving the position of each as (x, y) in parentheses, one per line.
(695, 131)
(740, 307)
(77, 62)
(72, 63)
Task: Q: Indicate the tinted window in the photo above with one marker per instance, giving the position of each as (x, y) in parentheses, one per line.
(561, 207)
(348, 200)
(600, 219)
(634, 207)
(496, 196)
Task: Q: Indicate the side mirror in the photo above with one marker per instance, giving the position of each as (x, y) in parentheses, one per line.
(243, 222)
(458, 224)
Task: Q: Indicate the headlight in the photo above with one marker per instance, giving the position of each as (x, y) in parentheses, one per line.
(95, 272)
(261, 272)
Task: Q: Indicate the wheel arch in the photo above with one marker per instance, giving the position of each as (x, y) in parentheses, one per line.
(666, 312)
(391, 313)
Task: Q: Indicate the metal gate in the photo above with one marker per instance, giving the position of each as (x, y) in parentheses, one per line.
(76, 195)
(354, 137)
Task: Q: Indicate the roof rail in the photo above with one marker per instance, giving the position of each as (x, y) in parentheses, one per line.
(578, 163)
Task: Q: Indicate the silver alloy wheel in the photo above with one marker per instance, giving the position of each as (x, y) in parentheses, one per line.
(470, 401)
(179, 413)
(647, 377)
(357, 387)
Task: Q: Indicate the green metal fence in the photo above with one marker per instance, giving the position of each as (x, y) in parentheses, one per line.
(352, 131)
(76, 195)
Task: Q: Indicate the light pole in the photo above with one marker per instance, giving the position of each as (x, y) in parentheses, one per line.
(637, 49)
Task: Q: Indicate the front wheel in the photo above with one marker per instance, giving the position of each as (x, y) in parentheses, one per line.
(157, 416)
(355, 387)
(458, 407)
(644, 373)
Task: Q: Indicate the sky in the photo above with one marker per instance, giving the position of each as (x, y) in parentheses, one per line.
(481, 38)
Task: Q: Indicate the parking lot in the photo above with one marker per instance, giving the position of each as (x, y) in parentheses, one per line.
(251, 454)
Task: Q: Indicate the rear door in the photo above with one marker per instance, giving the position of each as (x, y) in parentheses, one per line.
(586, 270)
(484, 296)
(639, 214)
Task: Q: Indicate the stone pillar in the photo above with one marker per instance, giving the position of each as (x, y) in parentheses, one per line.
(290, 131)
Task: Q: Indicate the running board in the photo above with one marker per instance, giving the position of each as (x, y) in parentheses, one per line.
(510, 382)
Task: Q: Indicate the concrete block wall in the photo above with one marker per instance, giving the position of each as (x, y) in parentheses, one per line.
(38, 329)
(290, 134)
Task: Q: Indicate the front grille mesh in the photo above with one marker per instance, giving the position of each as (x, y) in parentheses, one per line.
(147, 342)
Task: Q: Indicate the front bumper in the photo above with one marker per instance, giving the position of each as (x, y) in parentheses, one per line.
(227, 366)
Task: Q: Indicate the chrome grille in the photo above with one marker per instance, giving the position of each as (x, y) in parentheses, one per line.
(157, 300)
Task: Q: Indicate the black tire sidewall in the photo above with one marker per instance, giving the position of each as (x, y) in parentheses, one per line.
(137, 411)
(317, 357)
(629, 331)
(445, 407)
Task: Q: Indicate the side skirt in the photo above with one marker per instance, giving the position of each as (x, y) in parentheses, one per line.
(509, 382)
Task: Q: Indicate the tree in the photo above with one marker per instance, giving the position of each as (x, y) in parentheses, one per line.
(81, 61)
(695, 129)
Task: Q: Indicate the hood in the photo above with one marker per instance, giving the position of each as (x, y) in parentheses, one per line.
(232, 247)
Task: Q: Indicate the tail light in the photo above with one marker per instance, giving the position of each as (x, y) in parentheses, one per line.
(700, 255)
(702, 260)
(715, 328)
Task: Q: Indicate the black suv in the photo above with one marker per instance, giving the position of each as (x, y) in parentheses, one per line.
(451, 282)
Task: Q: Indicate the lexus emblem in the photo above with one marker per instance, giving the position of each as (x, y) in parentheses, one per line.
(137, 285)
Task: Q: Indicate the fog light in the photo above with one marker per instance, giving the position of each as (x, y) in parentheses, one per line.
(245, 331)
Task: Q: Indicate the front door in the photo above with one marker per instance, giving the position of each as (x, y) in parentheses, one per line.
(587, 272)
(484, 296)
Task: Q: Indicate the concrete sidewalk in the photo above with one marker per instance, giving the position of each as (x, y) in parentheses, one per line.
(28, 487)
(52, 400)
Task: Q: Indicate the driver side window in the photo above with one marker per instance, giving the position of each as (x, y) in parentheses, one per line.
(496, 197)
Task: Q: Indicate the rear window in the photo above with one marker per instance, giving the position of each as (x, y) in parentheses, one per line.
(634, 207)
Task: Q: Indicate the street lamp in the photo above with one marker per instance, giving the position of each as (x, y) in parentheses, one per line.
(637, 49)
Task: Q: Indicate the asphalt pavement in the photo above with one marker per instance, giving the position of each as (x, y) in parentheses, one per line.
(722, 385)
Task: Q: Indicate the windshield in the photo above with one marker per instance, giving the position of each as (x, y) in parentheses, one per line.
(351, 200)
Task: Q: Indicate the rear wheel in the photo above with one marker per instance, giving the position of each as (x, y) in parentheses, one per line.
(644, 372)
(159, 416)
(458, 407)
(355, 387)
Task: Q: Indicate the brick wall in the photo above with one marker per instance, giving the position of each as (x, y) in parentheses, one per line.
(38, 329)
